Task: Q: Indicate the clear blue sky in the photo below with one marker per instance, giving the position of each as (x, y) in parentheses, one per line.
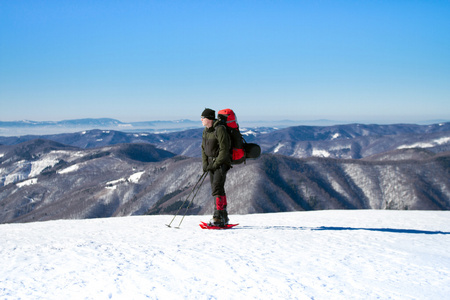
(384, 61)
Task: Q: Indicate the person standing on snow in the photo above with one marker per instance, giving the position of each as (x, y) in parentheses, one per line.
(216, 160)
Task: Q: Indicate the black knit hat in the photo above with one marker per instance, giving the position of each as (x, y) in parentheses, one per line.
(209, 114)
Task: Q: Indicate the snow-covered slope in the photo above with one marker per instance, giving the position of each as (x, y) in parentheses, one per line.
(137, 179)
(300, 255)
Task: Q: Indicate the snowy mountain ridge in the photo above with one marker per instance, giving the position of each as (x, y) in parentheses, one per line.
(44, 180)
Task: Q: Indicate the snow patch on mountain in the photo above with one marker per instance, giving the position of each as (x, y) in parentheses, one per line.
(249, 132)
(38, 166)
(18, 173)
(68, 155)
(434, 143)
(278, 147)
(135, 177)
(335, 136)
(27, 182)
(115, 182)
(320, 153)
(70, 169)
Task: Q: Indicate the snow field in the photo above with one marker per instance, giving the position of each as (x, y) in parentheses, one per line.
(356, 254)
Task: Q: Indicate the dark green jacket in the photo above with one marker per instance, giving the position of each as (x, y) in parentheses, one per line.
(216, 146)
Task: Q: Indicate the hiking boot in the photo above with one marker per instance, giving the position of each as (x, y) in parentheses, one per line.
(216, 222)
(224, 216)
(220, 218)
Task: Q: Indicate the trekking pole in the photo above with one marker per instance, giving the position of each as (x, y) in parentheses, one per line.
(192, 200)
(202, 178)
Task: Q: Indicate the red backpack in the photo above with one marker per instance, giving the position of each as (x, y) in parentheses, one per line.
(228, 118)
(240, 149)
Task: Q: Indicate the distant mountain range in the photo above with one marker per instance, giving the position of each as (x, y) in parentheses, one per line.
(103, 173)
(351, 141)
(27, 127)
(100, 122)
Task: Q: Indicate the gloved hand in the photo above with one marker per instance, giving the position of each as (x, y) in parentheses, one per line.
(211, 168)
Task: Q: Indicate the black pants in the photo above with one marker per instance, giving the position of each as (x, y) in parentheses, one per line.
(218, 178)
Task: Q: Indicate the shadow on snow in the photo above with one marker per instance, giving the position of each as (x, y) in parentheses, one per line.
(391, 230)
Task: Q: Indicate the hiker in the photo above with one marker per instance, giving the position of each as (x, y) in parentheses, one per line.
(216, 159)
